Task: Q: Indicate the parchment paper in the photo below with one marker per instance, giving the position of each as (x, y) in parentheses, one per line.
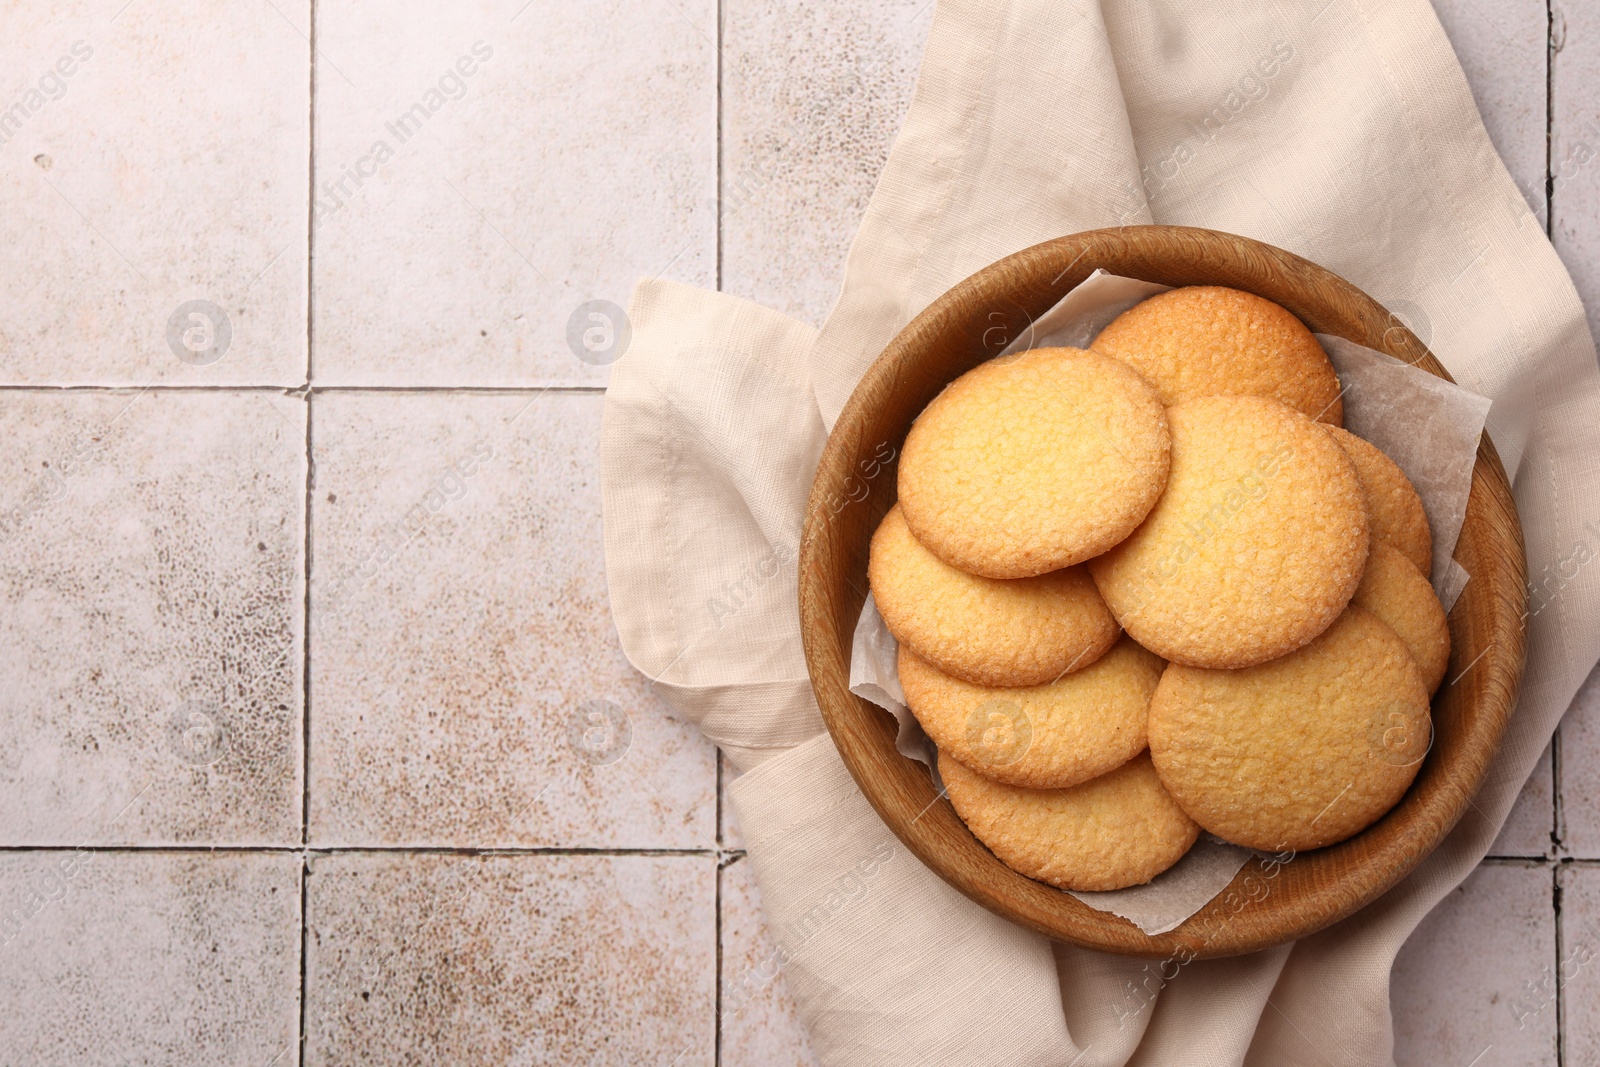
(1428, 426)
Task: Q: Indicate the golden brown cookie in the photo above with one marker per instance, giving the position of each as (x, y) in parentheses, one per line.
(1030, 463)
(1300, 752)
(1396, 592)
(1117, 830)
(1205, 340)
(1255, 547)
(988, 631)
(1044, 736)
(1393, 505)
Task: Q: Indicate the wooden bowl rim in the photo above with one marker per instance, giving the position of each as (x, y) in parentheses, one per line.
(1280, 902)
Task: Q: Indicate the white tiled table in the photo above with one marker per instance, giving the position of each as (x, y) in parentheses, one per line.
(299, 634)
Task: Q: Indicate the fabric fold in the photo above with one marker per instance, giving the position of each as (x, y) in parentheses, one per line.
(948, 981)
(1342, 130)
(707, 445)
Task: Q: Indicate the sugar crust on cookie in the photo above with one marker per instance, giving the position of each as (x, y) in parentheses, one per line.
(1031, 463)
(1256, 545)
(987, 631)
(1111, 832)
(1044, 737)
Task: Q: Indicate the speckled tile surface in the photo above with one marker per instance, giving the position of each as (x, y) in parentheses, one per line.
(1575, 230)
(190, 960)
(151, 604)
(467, 685)
(164, 161)
(759, 1024)
(812, 98)
(1528, 831)
(1579, 963)
(1580, 772)
(1476, 979)
(1501, 46)
(1575, 149)
(482, 170)
(560, 152)
(516, 960)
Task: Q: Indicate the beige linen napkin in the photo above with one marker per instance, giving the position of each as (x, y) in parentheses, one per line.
(1342, 130)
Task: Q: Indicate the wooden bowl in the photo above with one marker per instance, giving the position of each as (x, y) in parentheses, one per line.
(1266, 904)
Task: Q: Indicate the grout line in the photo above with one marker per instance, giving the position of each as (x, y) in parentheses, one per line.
(305, 651)
(306, 389)
(311, 474)
(717, 971)
(729, 854)
(153, 387)
(480, 390)
(1557, 810)
(1561, 1006)
(381, 850)
(1549, 118)
(305, 637)
(720, 863)
(305, 953)
(718, 192)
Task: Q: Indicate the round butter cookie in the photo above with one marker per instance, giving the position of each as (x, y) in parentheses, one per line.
(1034, 462)
(1393, 505)
(1396, 592)
(987, 631)
(1044, 736)
(1300, 752)
(1205, 340)
(1255, 547)
(1117, 830)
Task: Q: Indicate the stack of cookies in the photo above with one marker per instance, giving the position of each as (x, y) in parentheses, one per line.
(1153, 588)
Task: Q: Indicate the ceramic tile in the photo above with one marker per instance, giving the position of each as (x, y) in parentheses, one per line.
(153, 164)
(759, 1025)
(1476, 978)
(152, 592)
(1502, 48)
(468, 687)
(485, 169)
(1580, 772)
(1575, 149)
(124, 958)
(812, 97)
(1527, 829)
(1580, 963)
(516, 960)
